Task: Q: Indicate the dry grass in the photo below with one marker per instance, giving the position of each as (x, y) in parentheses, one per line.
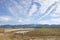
(2, 37)
(35, 34)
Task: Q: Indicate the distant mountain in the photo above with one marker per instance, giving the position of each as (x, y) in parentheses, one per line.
(30, 26)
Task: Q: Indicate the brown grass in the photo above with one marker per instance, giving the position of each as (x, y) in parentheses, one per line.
(36, 34)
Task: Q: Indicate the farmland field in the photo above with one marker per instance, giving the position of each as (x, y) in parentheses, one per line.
(32, 34)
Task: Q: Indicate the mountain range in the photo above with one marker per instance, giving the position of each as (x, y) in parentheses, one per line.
(30, 26)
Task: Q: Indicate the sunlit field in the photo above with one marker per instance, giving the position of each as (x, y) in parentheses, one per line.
(32, 34)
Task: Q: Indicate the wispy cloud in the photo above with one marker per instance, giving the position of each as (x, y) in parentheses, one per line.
(5, 18)
(45, 5)
(58, 8)
(24, 20)
(55, 15)
(20, 20)
(18, 8)
(28, 20)
(32, 10)
(55, 20)
(50, 21)
(48, 10)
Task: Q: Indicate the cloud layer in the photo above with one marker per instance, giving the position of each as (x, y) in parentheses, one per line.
(32, 11)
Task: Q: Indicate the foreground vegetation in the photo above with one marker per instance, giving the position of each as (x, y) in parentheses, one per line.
(37, 33)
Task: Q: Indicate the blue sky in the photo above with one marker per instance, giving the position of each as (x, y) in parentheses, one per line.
(16, 12)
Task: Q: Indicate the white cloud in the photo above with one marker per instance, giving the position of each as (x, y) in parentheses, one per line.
(55, 15)
(28, 20)
(45, 4)
(5, 18)
(32, 10)
(57, 11)
(20, 20)
(18, 8)
(51, 21)
(48, 12)
(44, 22)
(58, 8)
(55, 20)
(15, 9)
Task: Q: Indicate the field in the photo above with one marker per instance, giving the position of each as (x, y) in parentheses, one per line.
(32, 34)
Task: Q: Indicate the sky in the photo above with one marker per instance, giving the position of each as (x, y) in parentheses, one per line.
(15, 12)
